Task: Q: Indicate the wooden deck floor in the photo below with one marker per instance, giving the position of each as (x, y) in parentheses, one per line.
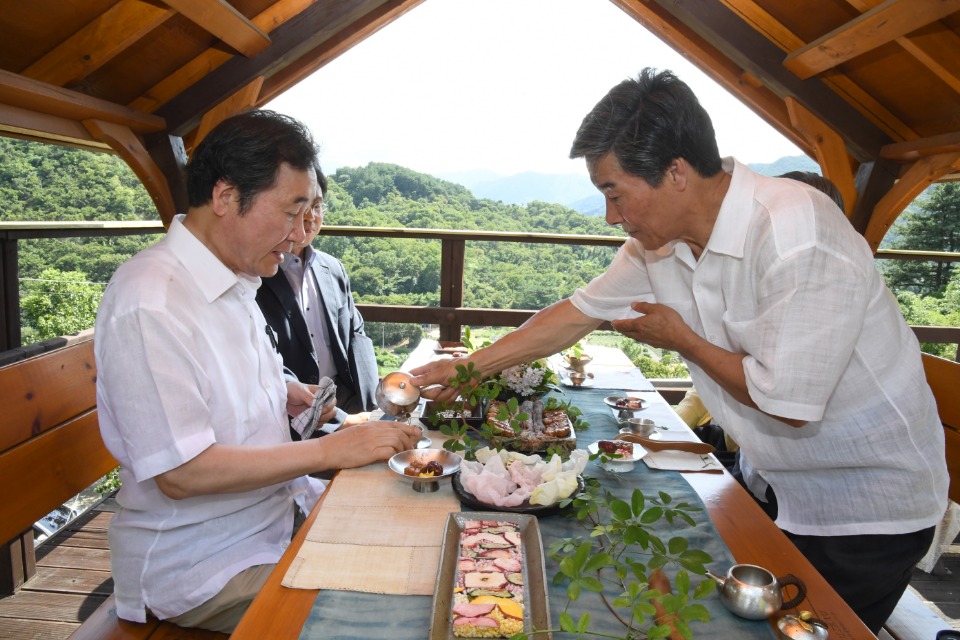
(72, 580)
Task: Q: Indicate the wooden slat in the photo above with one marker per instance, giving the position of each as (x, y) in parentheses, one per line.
(63, 557)
(943, 376)
(70, 458)
(220, 19)
(870, 30)
(83, 581)
(36, 630)
(169, 631)
(42, 392)
(34, 95)
(54, 607)
(93, 46)
(33, 126)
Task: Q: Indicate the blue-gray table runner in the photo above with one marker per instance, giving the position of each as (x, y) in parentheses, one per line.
(350, 615)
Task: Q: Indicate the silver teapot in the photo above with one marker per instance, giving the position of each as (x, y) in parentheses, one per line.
(397, 396)
(753, 592)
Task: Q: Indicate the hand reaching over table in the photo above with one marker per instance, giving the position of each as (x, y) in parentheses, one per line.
(434, 378)
(363, 444)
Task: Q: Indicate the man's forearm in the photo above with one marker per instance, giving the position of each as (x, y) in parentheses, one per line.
(547, 332)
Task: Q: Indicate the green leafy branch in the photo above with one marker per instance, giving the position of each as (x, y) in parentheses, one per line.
(626, 556)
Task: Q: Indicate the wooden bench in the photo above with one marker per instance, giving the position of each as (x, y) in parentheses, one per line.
(50, 450)
(913, 619)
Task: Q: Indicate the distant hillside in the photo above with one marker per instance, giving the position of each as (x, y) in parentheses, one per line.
(576, 191)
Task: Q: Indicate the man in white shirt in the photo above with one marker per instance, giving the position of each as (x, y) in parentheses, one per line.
(192, 399)
(792, 339)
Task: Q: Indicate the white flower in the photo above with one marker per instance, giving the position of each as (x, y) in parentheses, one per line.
(523, 379)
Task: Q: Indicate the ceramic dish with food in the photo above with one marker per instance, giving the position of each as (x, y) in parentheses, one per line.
(425, 467)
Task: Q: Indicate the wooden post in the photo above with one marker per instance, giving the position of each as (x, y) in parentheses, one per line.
(9, 294)
(451, 285)
(17, 563)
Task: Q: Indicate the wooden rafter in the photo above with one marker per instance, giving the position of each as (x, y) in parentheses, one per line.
(98, 43)
(904, 151)
(751, 91)
(741, 44)
(26, 93)
(830, 151)
(758, 18)
(245, 98)
(129, 147)
(222, 20)
(876, 27)
(918, 177)
(327, 51)
(304, 32)
(42, 127)
(188, 74)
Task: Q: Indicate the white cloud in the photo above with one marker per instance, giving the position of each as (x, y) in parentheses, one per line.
(458, 85)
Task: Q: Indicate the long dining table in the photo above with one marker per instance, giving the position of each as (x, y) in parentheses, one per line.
(282, 613)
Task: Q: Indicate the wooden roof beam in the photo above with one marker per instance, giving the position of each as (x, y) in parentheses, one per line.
(98, 43)
(245, 98)
(919, 176)
(42, 127)
(885, 23)
(129, 147)
(223, 21)
(743, 84)
(830, 151)
(739, 41)
(302, 33)
(914, 149)
(33, 95)
(758, 18)
(174, 84)
(330, 49)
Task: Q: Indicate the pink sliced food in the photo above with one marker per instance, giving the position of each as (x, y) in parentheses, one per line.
(488, 538)
(471, 610)
(513, 537)
(495, 553)
(467, 564)
(510, 565)
(489, 623)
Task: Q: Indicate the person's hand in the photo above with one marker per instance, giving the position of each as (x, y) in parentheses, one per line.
(438, 372)
(369, 442)
(354, 419)
(659, 326)
(299, 397)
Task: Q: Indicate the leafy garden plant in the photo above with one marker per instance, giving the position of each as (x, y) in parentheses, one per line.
(625, 556)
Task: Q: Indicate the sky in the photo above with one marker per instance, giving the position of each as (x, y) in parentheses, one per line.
(497, 85)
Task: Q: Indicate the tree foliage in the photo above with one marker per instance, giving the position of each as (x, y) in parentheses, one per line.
(931, 224)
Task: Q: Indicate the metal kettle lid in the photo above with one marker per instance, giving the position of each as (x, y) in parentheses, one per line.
(802, 626)
(397, 388)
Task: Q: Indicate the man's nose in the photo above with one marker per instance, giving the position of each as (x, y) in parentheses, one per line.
(612, 215)
(298, 233)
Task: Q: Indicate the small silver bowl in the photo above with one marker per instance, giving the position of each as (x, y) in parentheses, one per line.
(448, 460)
(640, 426)
(577, 378)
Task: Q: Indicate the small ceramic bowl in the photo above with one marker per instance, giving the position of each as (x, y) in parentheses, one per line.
(577, 378)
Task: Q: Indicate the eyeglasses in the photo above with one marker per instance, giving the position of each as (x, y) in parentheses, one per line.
(321, 208)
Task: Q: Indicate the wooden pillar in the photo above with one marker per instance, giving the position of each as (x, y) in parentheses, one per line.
(17, 563)
(451, 285)
(9, 294)
(170, 156)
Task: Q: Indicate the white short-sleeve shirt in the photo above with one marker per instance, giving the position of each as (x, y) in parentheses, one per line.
(787, 281)
(184, 361)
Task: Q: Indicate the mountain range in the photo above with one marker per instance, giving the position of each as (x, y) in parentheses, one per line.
(573, 190)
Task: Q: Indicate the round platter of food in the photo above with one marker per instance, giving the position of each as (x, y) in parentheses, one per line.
(425, 467)
(470, 500)
(624, 402)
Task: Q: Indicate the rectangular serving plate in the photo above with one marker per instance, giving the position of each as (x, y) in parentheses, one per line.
(536, 611)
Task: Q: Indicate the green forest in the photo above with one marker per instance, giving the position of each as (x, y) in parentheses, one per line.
(62, 279)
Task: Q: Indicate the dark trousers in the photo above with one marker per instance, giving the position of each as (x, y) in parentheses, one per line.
(869, 571)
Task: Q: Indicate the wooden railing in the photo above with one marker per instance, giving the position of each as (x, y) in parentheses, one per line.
(451, 316)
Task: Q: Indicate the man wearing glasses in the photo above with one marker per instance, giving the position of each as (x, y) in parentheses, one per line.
(319, 331)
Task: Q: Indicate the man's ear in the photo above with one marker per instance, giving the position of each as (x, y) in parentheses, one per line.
(225, 198)
(677, 173)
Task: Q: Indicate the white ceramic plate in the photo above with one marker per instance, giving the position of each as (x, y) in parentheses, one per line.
(638, 452)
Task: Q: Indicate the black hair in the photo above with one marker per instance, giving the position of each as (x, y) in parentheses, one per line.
(647, 123)
(247, 150)
(817, 181)
(321, 180)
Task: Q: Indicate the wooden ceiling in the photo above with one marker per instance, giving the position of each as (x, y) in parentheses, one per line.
(870, 89)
